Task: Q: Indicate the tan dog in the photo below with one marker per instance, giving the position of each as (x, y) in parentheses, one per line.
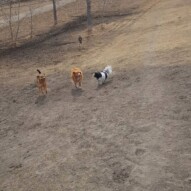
(77, 76)
(41, 83)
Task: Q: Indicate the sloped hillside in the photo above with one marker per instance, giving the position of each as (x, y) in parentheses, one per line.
(132, 133)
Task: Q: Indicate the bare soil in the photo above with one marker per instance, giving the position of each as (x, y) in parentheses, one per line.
(133, 133)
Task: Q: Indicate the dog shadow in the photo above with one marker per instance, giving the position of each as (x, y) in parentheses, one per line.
(99, 87)
(40, 100)
(77, 92)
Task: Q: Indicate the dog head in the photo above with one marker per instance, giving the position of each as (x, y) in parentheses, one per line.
(41, 79)
(97, 75)
(77, 75)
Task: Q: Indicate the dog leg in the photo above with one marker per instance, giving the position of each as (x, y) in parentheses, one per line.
(46, 89)
(40, 91)
(99, 82)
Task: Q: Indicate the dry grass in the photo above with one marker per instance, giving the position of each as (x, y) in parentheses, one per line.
(71, 15)
(133, 133)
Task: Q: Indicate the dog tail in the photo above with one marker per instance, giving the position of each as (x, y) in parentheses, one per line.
(108, 69)
(38, 71)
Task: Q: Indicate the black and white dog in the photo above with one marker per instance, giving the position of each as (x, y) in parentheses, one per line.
(103, 75)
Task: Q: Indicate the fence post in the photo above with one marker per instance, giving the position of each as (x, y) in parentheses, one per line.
(54, 12)
(89, 18)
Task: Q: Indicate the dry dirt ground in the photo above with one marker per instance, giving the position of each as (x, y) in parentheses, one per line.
(131, 134)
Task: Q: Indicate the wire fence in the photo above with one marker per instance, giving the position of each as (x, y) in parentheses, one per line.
(35, 17)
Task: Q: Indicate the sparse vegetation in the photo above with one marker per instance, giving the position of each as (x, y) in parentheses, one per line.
(11, 20)
(132, 133)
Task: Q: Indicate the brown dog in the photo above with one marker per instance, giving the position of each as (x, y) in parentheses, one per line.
(41, 83)
(77, 76)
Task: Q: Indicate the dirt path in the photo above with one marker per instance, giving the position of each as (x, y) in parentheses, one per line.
(36, 11)
(133, 133)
